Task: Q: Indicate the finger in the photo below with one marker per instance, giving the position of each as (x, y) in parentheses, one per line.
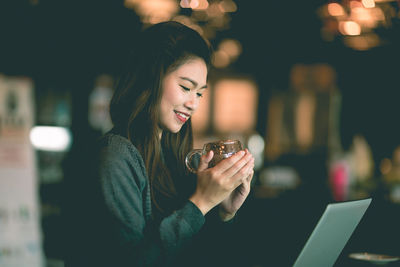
(248, 152)
(240, 176)
(247, 183)
(204, 160)
(239, 165)
(250, 177)
(229, 162)
(245, 186)
(248, 180)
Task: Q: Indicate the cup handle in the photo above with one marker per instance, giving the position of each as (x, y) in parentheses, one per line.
(189, 158)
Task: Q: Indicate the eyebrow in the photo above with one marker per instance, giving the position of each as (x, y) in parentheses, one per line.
(193, 82)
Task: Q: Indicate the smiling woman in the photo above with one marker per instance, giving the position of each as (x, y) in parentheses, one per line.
(182, 92)
(141, 206)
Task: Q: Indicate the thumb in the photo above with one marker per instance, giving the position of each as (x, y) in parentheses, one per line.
(204, 160)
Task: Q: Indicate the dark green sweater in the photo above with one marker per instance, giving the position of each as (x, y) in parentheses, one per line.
(116, 226)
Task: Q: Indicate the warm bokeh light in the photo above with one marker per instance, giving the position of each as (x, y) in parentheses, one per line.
(396, 156)
(304, 121)
(275, 140)
(50, 138)
(214, 10)
(368, 3)
(385, 166)
(349, 28)
(153, 11)
(316, 77)
(378, 14)
(364, 42)
(207, 17)
(194, 4)
(228, 51)
(235, 105)
(335, 9)
(354, 4)
(202, 5)
(363, 166)
(220, 59)
(185, 3)
(363, 17)
(231, 47)
(227, 6)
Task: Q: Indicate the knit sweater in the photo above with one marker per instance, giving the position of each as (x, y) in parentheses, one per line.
(116, 223)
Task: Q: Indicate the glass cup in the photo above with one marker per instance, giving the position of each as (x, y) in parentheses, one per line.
(222, 149)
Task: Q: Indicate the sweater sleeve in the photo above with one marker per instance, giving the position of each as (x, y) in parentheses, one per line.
(124, 186)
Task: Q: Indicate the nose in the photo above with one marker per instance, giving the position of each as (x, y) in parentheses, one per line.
(192, 102)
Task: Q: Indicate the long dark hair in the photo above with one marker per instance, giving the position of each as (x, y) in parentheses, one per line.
(134, 108)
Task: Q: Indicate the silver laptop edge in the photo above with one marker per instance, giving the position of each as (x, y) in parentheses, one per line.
(331, 234)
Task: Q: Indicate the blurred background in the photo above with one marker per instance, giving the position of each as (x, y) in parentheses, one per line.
(310, 87)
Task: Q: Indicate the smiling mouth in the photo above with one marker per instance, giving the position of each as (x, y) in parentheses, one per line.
(183, 117)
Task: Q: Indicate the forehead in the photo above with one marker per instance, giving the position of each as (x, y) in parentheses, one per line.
(192, 68)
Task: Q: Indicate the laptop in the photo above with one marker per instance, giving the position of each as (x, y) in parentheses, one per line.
(331, 234)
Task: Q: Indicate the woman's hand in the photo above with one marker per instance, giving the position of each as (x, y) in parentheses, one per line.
(214, 185)
(230, 205)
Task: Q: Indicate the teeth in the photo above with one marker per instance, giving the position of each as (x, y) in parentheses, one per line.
(183, 115)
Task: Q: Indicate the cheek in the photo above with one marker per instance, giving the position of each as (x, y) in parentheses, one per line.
(171, 96)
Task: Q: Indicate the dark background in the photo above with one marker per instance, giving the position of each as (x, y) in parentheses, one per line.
(64, 45)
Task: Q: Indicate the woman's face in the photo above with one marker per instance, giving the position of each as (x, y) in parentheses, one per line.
(182, 90)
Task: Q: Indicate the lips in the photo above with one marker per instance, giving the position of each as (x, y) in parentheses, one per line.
(182, 116)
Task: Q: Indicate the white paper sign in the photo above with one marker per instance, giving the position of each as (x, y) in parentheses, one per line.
(20, 231)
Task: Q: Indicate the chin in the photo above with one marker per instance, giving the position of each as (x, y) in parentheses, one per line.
(177, 130)
(174, 129)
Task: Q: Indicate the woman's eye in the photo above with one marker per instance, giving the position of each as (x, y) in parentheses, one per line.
(199, 95)
(184, 88)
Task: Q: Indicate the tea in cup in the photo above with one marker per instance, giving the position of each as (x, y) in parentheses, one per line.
(222, 149)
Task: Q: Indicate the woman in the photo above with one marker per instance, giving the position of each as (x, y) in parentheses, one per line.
(146, 208)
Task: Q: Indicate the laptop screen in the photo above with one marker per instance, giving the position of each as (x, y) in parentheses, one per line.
(331, 234)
